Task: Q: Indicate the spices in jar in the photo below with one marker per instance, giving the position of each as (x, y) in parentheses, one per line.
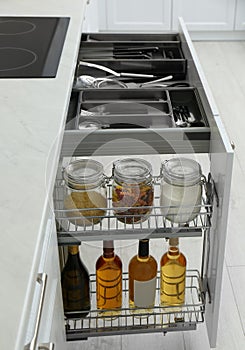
(132, 191)
(181, 189)
(85, 201)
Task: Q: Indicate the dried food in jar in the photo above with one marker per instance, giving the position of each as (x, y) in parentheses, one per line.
(137, 197)
(86, 198)
(90, 205)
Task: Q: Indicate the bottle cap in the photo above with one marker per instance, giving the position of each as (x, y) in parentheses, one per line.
(173, 241)
(108, 244)
(143, 250)
(108, 249)
(73, 249)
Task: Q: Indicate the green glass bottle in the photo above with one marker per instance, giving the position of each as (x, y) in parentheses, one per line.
(75, 285)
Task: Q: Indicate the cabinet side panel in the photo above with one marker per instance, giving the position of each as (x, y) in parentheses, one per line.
(221, 160)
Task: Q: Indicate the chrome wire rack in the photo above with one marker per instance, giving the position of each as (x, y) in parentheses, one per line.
(156, 319)
(155, 225)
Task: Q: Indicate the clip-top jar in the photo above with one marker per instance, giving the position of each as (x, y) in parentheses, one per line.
(132, 193)
(85, 197)
(181, 189)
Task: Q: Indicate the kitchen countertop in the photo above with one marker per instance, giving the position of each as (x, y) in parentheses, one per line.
(33, 113)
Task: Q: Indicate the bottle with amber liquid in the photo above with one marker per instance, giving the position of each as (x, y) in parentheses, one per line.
(142, 278)
(75, 285)
(173, 273)
(109, 281)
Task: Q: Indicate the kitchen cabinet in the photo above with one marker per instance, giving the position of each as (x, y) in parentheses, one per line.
(240, 15)
(171, 51)
(133, 15)
(46, 325)
(218, 19)
(205, 15)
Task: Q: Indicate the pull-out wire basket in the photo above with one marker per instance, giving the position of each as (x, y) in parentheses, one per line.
(156, 319)
(154, 226)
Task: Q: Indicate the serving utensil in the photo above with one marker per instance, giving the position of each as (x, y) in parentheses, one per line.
(87, 81)
(112, 72)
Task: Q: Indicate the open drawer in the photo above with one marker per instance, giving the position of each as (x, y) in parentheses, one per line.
(136, 120)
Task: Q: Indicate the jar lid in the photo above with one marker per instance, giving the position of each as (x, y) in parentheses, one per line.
(83, 172)
(132, 170)
(181, 171)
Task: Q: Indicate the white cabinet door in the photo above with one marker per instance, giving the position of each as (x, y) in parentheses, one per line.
(205, 15)
(52, 321)
(91, 17)
(46, 321)
(240, 15)
(135, 15)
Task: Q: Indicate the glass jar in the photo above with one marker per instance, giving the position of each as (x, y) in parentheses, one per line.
(181, 189)
(85, 199)
(132, 190)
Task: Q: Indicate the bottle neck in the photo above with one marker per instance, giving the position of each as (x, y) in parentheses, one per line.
(108, 249)
(143, 250)
(73, 249)
(173, 249)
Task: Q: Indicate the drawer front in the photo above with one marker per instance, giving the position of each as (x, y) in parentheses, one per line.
(46, 314)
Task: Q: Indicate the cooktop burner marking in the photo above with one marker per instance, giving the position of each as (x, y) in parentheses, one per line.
(12, 58)
(16, 27)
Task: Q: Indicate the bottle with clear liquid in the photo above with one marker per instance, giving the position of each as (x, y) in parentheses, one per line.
(109, 281)
(173, 273)
(142, 278)
(75, 285)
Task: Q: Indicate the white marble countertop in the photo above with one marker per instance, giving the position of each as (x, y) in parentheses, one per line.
(33, 113)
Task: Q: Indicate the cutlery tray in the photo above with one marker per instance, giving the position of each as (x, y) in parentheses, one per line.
(158, 55)
(132, 108)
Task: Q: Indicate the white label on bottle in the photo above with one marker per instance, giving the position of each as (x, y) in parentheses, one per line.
(144, 293)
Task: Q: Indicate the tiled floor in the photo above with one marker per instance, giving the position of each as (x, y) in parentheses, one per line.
(224, 66)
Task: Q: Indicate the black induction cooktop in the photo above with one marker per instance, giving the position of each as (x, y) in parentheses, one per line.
(30, 47)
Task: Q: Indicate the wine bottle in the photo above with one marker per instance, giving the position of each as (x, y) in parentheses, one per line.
(142, 278)
(75, 285)
(109, 280)
(173, 272)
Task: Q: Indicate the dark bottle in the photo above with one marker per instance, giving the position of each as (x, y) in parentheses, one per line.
(109, 280)
(142, 277)
(75, 285)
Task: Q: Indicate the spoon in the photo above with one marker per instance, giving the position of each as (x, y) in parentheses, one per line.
(84, 81)
(178, 118)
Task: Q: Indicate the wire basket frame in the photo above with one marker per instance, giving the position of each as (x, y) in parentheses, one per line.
(155, 319)
(155, 224)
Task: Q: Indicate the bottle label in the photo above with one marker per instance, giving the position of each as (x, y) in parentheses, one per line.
(109, 291)
(144, 293)
(172, 284)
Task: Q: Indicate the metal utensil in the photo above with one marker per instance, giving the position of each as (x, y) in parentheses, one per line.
(178, 119)
(84, 81)
(112, 72)
(191, 120)
(87, 81)
(169, 77)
